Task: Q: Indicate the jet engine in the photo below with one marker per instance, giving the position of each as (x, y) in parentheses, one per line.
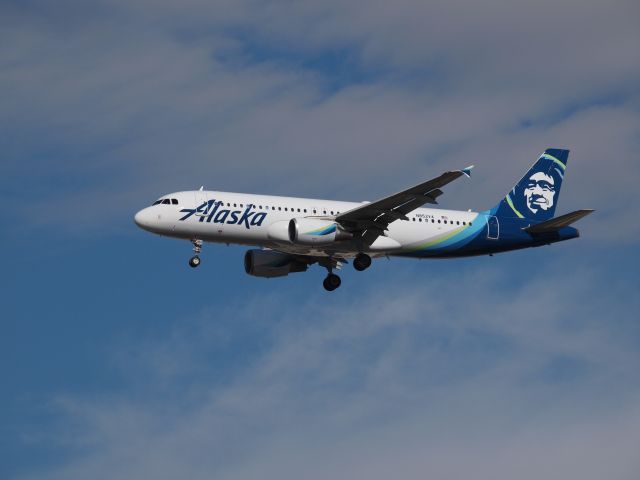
(313, 231)
(270, 264)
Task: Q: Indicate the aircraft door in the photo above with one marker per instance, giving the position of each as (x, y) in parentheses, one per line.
(493, 228)
(200, 199)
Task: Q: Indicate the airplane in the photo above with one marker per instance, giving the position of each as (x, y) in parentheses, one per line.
(294, 233)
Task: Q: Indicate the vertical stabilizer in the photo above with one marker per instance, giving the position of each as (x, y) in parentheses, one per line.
(535, 196)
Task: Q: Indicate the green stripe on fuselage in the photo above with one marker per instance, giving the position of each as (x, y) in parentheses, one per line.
(437, 240)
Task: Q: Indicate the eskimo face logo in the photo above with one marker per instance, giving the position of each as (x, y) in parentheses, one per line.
(540, 192)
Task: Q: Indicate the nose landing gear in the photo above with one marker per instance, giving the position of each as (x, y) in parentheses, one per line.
(197, 248)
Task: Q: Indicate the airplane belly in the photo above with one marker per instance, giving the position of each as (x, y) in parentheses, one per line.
(384, 244)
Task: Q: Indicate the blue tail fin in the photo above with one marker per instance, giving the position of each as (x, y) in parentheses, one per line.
(535, 197)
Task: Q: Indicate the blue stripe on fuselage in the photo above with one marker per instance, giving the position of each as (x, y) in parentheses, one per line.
(474, 241)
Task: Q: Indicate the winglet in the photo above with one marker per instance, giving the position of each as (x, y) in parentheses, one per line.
(467, 171)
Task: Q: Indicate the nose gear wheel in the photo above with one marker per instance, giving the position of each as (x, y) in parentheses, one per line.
(197, 248)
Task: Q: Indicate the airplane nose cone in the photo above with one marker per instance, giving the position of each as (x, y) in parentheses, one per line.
(143, 218)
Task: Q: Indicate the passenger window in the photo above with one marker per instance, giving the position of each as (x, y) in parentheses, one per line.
(280, 208)
(439, 221)
(174, 201)
(305, 210)
(298, 210)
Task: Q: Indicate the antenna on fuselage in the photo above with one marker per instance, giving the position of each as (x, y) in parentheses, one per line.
(201, 188)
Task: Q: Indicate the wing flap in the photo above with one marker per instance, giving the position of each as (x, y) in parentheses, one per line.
(559, 222)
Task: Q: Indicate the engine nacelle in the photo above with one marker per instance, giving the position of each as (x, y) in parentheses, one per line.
(314, 231)
(279, 231)
(270, 264)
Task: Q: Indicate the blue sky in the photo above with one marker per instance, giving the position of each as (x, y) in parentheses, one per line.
(118, 361)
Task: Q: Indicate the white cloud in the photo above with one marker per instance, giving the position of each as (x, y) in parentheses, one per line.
(424, 382)
(140, 98)
(108, 104)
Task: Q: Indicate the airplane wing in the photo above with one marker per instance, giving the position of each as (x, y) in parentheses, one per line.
(372, 219)
(557, 223)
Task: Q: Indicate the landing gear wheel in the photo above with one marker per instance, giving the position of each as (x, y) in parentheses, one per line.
(361, 262)
(197, 248)
(331, 282)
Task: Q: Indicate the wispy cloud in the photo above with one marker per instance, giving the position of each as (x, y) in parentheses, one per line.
(139, 98)
(483, 373)
(407, 383)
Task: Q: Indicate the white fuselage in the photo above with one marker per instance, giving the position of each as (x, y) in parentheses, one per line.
(262, 220)
(295, 233)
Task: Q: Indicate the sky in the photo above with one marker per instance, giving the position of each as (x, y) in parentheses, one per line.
(118, 361)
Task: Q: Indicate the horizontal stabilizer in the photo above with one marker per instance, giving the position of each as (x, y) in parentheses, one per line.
(557, 223)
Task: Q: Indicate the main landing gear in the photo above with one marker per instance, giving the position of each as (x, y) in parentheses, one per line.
(197, 248)
(361, 262)
(331, 282)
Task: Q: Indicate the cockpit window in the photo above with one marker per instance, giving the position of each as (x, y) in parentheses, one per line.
(166, 201)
